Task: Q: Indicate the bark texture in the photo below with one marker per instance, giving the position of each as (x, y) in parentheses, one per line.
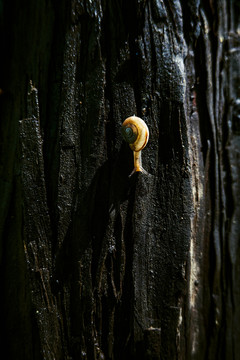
(94, 264)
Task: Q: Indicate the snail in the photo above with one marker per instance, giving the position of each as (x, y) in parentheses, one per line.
(136, 133)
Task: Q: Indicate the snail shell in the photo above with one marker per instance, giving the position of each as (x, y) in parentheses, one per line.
(135, 132)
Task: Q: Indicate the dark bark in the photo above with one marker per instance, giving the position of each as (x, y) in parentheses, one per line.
(94, 264)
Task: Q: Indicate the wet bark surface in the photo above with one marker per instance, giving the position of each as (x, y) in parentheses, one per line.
(94, 264)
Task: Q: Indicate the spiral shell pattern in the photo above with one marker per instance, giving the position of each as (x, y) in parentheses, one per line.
(135, 131)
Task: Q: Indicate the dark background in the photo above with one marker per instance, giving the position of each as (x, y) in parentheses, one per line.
(94, 264)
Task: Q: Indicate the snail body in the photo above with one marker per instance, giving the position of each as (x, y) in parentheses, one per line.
(135, 132)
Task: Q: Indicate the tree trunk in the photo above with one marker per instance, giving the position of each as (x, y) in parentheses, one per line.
(96, 264)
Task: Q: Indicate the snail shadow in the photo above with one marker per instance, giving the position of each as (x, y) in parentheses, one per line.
(87, 232)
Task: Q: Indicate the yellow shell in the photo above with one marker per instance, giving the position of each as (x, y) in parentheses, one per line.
(135, 132)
